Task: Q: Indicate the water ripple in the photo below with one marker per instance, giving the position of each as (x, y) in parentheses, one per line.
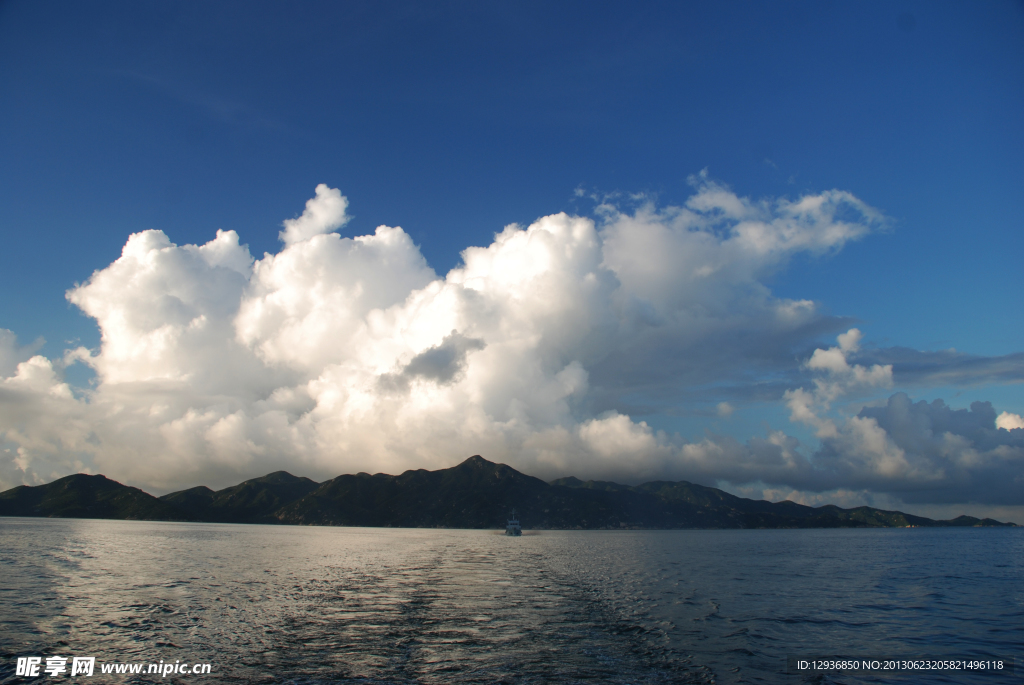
(316, 605)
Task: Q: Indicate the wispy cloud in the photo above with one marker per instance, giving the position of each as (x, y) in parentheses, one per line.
(946, 367)
(216, 106)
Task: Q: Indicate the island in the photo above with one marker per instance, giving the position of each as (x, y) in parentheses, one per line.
(474, 494)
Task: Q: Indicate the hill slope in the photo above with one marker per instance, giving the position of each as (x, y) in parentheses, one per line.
(253, 501)
(474, 494)
(83, 496)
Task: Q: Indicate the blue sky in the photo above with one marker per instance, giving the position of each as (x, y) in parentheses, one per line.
(453, 120)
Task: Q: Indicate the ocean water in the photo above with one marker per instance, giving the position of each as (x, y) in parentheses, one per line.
(267, 604)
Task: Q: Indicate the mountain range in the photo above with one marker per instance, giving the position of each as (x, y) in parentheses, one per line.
(475, 494)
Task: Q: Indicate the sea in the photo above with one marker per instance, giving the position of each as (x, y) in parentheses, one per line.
(289, 604)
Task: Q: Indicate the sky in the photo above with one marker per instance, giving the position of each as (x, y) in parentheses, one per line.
(769, 247)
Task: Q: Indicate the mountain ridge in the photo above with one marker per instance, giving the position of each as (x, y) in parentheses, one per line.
(473, 494)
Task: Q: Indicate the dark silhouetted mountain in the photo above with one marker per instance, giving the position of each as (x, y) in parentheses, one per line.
(475, 494)
(196, 500)
(253, 501)
(92, 497)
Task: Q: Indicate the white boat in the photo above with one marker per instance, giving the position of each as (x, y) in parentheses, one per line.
(513, 527)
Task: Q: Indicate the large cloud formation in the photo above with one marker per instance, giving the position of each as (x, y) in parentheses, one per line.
(342, 354)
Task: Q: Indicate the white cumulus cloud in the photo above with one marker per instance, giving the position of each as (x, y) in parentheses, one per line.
(840, 377)
(1008, 421)
(12, 354)
(323, 214)
(344, 354)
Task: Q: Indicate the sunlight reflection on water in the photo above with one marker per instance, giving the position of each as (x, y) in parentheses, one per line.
(290, 604)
